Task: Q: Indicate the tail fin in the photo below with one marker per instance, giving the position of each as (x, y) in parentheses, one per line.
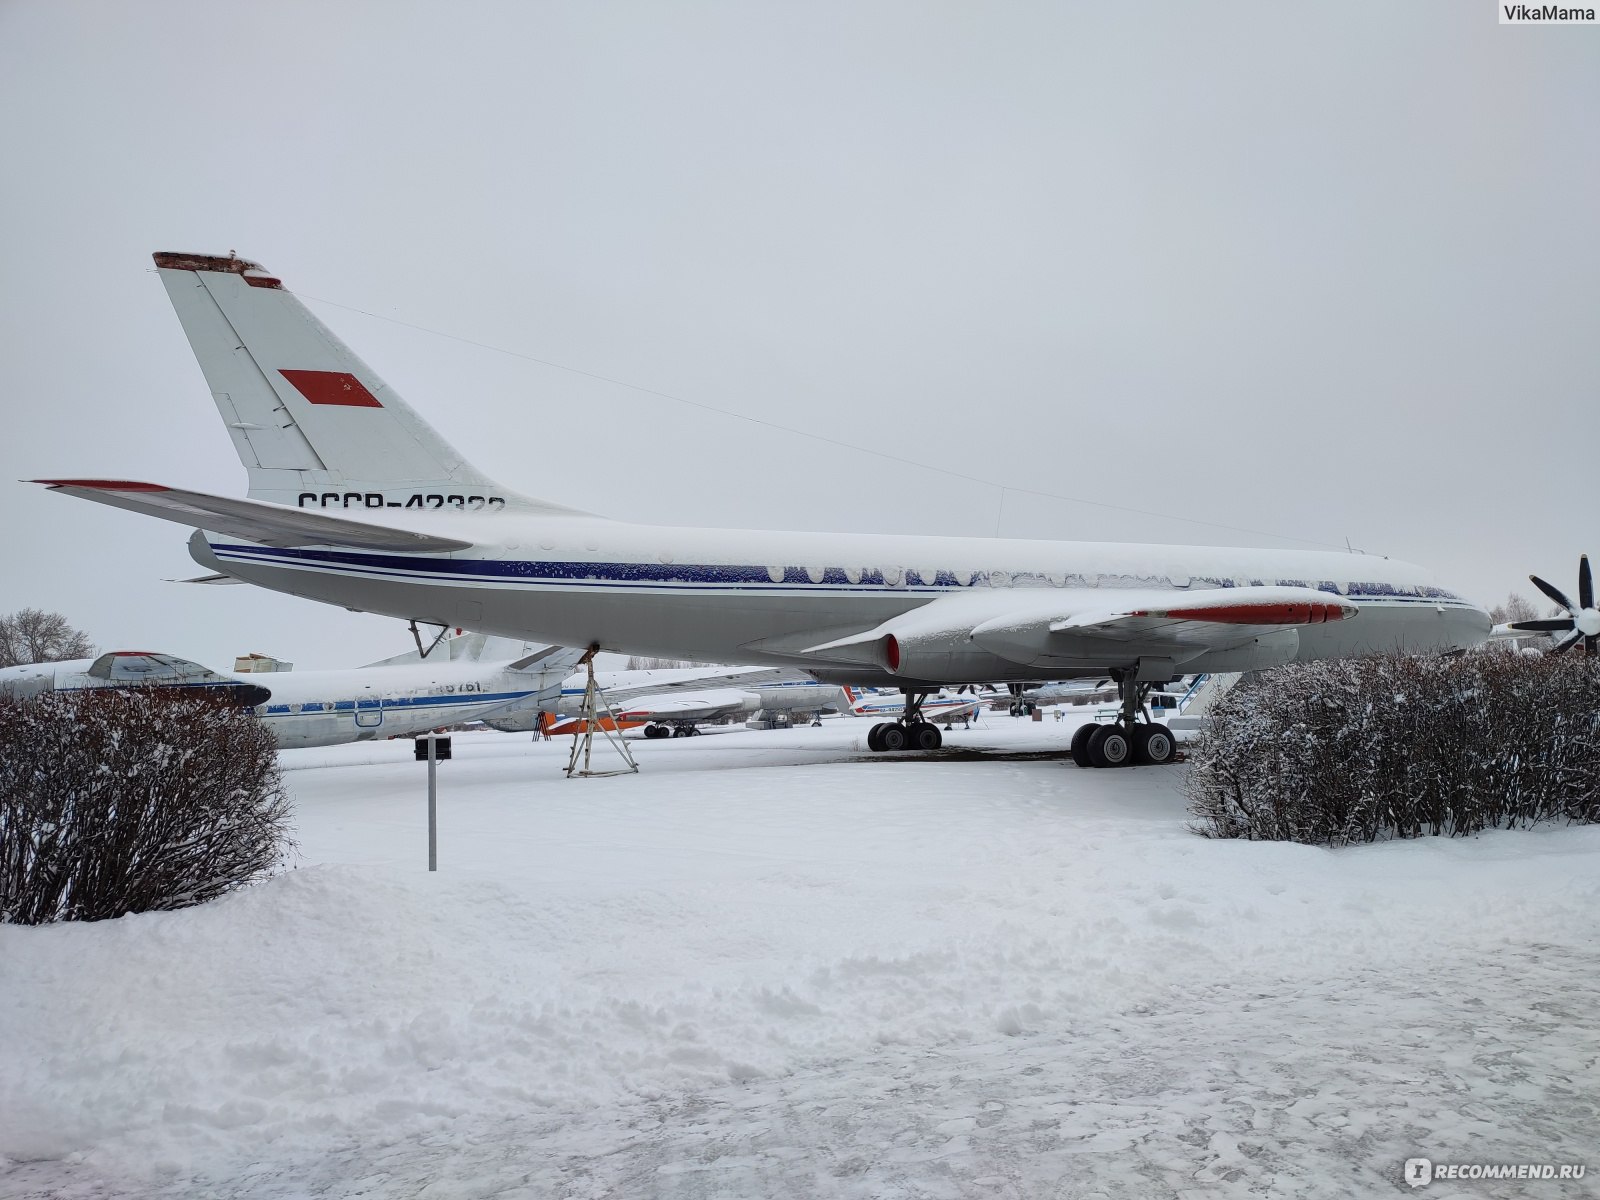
(518, 655)
(531, 657)
(314, 425)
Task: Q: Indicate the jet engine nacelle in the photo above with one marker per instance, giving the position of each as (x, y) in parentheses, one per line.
(916, 649)
(949, 657)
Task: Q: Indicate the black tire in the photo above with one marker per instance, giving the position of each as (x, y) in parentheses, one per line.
(926, 736)
(894, 737)
(1109, 746)
(875, 737)
(1153, 745)
(1080, 744)
(656, 731)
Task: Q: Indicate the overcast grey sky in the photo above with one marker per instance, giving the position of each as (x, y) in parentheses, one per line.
(1324, 269)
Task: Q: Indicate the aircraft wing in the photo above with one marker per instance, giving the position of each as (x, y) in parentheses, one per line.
(252, 520)
(710, 677)
(952, 712)
(1047, 627)
(689, 706)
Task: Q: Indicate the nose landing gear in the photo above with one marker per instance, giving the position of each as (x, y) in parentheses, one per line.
(1132, 738)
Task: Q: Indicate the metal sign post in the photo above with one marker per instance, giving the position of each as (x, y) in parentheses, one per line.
(433, 804)
(436, 748)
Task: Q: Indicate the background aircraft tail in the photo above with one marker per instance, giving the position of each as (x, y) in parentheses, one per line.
(486, 648)
(313, 424)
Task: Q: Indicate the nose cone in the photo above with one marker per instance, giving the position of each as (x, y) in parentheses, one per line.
(1474, 624)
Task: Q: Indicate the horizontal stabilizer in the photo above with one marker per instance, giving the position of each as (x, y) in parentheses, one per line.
(252, 520)
(551, 658)
(213, 579)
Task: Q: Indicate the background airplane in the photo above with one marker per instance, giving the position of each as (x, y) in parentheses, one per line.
(941, 706)
(396, 698)
(672, 700)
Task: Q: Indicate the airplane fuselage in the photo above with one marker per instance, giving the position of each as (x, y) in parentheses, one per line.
(330, 708)
(741, 596)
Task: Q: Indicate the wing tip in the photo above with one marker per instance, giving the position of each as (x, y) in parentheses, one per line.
(104, 485)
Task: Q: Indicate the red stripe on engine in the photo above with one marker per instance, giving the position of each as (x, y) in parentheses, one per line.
(332, 387)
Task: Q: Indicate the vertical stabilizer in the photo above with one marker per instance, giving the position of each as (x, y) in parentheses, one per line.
(313, 424)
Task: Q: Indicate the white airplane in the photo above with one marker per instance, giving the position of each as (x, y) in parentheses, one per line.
(941, 706)
(395, 698)
(355, 501)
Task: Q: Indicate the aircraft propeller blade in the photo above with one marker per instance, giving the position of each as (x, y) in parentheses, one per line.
(1554, 593)
(1585, 583)
(1567, 643)
(1544, 624)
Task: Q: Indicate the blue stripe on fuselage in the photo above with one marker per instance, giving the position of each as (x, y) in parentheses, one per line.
(727, 577)
(338, 706)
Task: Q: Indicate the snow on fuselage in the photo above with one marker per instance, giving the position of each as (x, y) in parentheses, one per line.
(727, 595)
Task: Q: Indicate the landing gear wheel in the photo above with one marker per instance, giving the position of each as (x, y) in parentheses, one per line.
(1110, 746)
(893, 737)
(656, 731)
(1153, 744)
(1080, 744)
(875, 736)
(924, 735)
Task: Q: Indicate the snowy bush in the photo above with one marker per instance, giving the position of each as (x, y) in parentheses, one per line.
(1339, 752)
(116, 802)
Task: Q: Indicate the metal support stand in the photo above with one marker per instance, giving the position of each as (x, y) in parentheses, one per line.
(416, 636)
(594, 703)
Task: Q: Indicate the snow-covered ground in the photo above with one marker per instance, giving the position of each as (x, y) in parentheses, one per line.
(773, 965)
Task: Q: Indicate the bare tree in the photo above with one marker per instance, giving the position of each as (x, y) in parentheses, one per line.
(645, 663)
(31, 635)
(1517, 608)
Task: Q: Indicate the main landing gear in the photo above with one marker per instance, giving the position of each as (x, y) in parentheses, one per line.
(910, 732)
(1018, 706)
(658, 729)
(1133, 738)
